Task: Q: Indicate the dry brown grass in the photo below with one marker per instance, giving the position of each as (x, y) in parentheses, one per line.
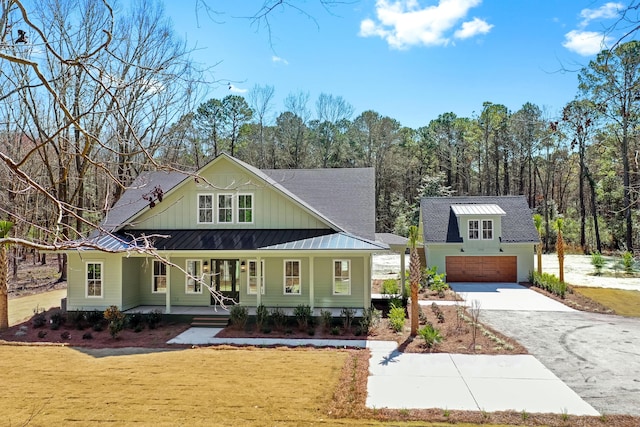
(203, 386)
(622, 302)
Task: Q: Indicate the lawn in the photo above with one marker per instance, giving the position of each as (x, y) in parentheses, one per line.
(623, 302)
(204, 386)
(52, 385)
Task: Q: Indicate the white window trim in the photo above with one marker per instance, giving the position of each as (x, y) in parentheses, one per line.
(153, 277)
(348, 261)
(186, 278)
(490, 221)
(213, 208)
(262, 286)
(477, 229)
(252, 208)
(284, 277)
(86, 279)
(217, 207)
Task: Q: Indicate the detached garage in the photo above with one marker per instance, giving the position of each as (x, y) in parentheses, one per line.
(479, 239)
(482, 268)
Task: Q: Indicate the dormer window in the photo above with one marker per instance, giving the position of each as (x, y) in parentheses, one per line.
(487, 229)
(474, 229)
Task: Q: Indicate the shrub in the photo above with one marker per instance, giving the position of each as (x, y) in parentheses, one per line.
(38, 320)
(153, 318)
(370, 320)
(326, 319)
(97, 327)
(395, 302)
(439, 285)
(95, 317)
(42, 334)
(430, 335)
(390, 287)
(303, 316)
(347, 315)
(550, 283)
(87, 336)
(238, 316)
(77, 319)
(628, 262)
(335, 330)
(278, 318)
(597, 260)
(262, 317)
(65, 335)
(396, 318)
(116, 320)
(57, 319)
(134, 320)
(437, 311)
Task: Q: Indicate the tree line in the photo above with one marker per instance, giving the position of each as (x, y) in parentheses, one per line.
(97, 95)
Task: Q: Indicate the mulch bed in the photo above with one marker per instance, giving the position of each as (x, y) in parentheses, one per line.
(68, 335)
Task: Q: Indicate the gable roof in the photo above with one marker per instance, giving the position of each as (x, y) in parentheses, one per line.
(345, 195)
(315, 190)
(440, 223)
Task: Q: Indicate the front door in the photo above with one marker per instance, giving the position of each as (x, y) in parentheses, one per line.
(225, 275)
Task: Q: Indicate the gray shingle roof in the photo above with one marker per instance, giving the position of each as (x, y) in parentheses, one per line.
(441, 226)
(344, 197)
(131, 201)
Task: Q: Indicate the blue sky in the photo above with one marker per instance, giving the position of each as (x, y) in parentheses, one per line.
(407, 59)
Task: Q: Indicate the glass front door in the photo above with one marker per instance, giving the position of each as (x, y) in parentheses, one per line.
(225, 276)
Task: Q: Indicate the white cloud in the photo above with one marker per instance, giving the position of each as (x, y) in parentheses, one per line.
(404, 23)
(235, 89)
(606, 11)
(585, 43)
(473, 28)
(275, 58)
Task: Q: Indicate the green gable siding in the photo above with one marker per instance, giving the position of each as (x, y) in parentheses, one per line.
(272, 209)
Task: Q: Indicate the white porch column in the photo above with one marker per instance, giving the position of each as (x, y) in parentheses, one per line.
(311, 285)
(167, 308)
(402, 271)
(368, 268)
(258, 280)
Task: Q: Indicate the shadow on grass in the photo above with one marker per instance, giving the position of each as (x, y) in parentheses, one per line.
(121, 351)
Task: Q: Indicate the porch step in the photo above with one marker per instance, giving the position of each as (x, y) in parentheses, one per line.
(214, 321)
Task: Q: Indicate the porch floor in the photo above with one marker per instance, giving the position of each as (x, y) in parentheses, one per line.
(212, 310)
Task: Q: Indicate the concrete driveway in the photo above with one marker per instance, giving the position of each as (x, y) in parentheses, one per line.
(597, 355)
(506, 296)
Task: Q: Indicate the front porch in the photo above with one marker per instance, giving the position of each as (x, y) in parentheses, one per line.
(181, 310)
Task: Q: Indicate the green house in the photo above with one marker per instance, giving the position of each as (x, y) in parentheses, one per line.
(280, 238)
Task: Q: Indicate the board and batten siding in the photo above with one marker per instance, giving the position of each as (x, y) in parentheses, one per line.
(76, 280)
(271, 208)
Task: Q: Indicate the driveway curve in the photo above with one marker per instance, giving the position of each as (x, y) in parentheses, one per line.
(597, 355)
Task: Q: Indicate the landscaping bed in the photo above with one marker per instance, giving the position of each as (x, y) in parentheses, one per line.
(86, 335)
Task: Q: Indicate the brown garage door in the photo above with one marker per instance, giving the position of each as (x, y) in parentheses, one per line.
(481, 268)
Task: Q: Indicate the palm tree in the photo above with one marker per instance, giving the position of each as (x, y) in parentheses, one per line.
(537, 221)
(560, 247)
(414, 277)
(5, 226)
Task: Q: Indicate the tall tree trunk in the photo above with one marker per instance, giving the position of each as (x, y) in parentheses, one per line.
(4, 280)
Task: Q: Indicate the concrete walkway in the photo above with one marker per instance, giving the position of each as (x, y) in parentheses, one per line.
(207, 336)
(466, 382)
(448, 381)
